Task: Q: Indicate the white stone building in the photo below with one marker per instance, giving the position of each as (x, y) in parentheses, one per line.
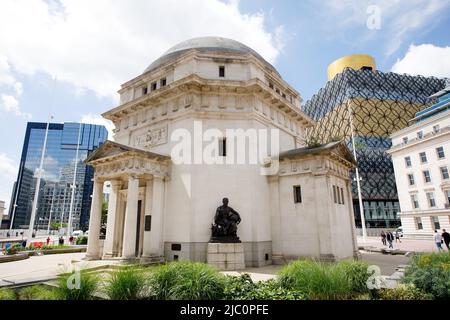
(420, 155)
(208, 93)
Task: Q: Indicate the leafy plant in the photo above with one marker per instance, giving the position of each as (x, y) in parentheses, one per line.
(430, 273)
(82, 240)
(77, 286)
(403, 292)
(186, 280)
(37, 292)
(321, 281)
(7, 294)
(126, 284)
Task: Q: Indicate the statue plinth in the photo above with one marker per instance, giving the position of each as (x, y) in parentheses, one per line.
(226, 256)
(225, 239)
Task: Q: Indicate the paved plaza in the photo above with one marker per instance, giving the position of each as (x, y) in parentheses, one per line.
(408, 245)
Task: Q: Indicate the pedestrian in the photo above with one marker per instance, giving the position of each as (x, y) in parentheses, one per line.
(438, 239)
(48, 241)
(397, 236)
(390, 239)
(8, 234)
(446, 237)
(383, 237)
(71, 240)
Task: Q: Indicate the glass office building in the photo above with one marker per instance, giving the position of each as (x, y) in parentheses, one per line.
(375, 104)
(58, 173)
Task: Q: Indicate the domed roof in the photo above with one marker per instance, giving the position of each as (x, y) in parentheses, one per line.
(205, 44)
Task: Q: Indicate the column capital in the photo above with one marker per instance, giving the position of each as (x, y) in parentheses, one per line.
(116, 183)
(158, 177)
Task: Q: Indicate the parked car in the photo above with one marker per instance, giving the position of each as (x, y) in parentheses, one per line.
(77, 233)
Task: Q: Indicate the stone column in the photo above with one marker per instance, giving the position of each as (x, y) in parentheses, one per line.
(153, 243)
(93, 245)
(129, 233)
(112, 217)
(147, 212)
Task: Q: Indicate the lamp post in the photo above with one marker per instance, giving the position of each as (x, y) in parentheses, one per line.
(39, 174)
(73, 186)
(358, 182)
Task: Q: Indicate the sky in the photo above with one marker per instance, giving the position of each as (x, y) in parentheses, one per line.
(68, 58)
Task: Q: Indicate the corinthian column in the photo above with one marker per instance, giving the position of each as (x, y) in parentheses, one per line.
(111, 221)
(153, 242)
(129, 236)
(93, 245)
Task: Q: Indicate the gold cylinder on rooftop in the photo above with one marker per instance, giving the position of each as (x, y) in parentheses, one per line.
(356, 62)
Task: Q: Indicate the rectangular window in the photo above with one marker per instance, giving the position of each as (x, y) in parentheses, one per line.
(418, 221)
(144, 91)
(411, 179)
(427, 176)
(335, 194)
(419, 135)
(440, 152)
(297, 194)
(431, 200)
(415, 201)
(436, 128)
(447, 195)
(153, 86)
(408, 162)
(222, 71)
(444, 173)
(222, 147)
(423, 157)
(342, 195)
(405, 140)
(163, 82)
(435, 223)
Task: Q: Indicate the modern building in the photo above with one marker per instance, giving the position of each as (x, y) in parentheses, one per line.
(371, 105)
(2, 212)
(59, 167)
(420, 154)
(177, 153)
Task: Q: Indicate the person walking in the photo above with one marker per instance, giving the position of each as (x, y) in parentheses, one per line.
(397, 236)
(390, 239)
(48, 241)
(438, 240)
(383, 237)
(446, 237)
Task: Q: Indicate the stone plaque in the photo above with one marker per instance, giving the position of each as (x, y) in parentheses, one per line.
(151, 138)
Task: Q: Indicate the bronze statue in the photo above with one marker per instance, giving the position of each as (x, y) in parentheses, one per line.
(225, 224)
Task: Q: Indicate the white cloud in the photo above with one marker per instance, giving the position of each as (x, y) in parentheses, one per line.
(425, 60)
(8, 174)
(100, 44)
(99, 120)
(10, 104)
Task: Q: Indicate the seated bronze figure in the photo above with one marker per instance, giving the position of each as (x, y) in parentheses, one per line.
(225, 224)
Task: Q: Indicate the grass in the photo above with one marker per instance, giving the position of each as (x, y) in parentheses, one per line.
(7, 294)
(126, 284)
(186, 281)
(37, 292)
(77, 286)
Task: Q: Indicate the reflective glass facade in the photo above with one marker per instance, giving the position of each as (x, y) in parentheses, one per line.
(376, 104)
(59, 168)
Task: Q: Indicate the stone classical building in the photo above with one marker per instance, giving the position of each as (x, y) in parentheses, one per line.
(176, 154)
(420, 154)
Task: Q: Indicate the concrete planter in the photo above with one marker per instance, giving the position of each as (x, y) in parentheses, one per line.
(14, 257)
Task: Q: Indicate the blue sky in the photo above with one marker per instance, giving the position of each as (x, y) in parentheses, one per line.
(91, 47)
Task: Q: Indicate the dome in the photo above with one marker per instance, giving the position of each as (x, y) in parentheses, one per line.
(206, 44)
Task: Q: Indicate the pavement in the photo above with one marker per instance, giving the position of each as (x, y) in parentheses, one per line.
(406, 245)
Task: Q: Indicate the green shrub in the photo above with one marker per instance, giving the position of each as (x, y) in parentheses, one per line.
(77, 286)
(243, 288)
(430, 273)
(37, 292)
(7, 294)
(126, 284)
(325, 281)
(186, 281)
(81, 240)
(403, 292)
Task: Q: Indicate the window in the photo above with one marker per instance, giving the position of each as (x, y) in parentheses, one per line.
(222, 147)
(447, 194)
(436, 128)
(222, 71)
(283, 95)
(297, 194)
(408, 162)
(423, 157)
(431, 201)
(335, 194)
(418, 222)
(440, 152)
(144, 91)
(405, 140)
(411, 179)
(419, 135)
(163, 82)
(427, 176)
(342, 195)
(153, 85)
(415, 201)
(435, 223)
(444, 173)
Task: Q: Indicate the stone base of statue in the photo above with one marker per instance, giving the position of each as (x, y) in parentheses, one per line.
(226, 256)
